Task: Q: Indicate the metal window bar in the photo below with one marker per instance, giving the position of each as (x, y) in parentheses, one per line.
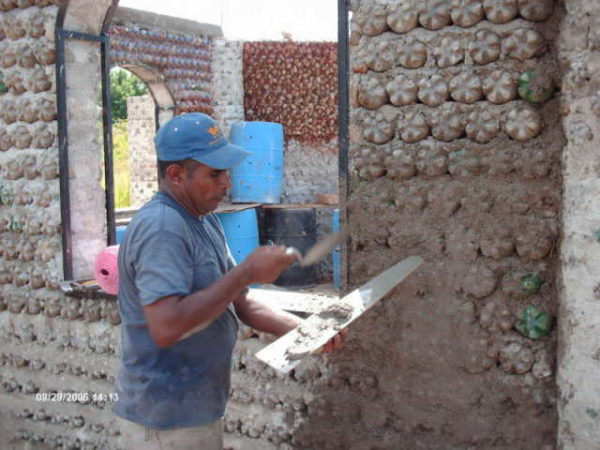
(343, 118)
(63, 138)
(111, 237)
(156, 127)
(108, 143)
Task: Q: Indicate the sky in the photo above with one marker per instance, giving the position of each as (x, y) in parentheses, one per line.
(305, 20)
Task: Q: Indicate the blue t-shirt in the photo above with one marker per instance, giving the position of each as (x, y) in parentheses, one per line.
(167, 251)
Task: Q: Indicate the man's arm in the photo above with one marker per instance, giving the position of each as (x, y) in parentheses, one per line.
(262, 317)
(169, 318)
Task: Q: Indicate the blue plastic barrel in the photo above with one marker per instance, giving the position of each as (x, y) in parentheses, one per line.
(120, 233)
(241, 231)
(259, 178)
(336, 256)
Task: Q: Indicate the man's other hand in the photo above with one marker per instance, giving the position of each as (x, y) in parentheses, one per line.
(336, 342)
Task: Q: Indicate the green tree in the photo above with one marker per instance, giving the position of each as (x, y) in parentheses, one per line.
(121, 171)
(124, 84)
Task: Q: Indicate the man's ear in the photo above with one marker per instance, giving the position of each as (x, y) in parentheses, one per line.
(174, 173)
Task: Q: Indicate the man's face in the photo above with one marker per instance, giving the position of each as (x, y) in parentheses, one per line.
(203, 187)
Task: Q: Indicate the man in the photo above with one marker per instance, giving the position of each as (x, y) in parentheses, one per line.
(181, 294)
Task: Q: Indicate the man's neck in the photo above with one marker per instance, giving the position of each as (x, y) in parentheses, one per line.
(181, 200)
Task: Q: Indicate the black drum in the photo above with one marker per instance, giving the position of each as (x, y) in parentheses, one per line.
(291, 227)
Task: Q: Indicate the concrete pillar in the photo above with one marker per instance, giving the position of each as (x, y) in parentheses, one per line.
(579, 346)
(84, 115)
(228, 84)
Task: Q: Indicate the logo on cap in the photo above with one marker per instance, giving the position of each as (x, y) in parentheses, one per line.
(214, 132)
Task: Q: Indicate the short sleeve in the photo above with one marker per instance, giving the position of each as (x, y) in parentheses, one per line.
(231, 264)
(163, 267)
(230, 260)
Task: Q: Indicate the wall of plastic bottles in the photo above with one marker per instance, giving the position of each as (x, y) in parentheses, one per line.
(182, 60)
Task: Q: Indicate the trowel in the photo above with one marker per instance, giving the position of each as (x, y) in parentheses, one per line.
(288, 351)
(318, 251)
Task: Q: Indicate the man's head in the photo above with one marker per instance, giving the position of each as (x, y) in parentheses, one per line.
(193, 161)
(197, 136)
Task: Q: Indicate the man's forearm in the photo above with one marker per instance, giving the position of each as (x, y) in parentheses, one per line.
(172, 317)
(262, 317)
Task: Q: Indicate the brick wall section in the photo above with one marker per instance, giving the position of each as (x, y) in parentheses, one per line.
(309, 170)
(295, 84)
(449, 163)
(49, 342)
(183, 60)
(29, 200)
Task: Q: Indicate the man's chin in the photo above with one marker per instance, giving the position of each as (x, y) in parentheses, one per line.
(216, 203)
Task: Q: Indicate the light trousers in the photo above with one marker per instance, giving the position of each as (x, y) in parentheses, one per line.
(139, 437)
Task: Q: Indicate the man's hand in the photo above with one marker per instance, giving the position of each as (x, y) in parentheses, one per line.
(265, 264)
(336, 342)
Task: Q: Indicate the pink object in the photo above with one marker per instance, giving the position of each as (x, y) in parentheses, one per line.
(106, 269)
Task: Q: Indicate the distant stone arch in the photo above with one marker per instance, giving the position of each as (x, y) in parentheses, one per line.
(165, 103)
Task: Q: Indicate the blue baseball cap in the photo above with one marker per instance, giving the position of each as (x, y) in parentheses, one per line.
(197, 136)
